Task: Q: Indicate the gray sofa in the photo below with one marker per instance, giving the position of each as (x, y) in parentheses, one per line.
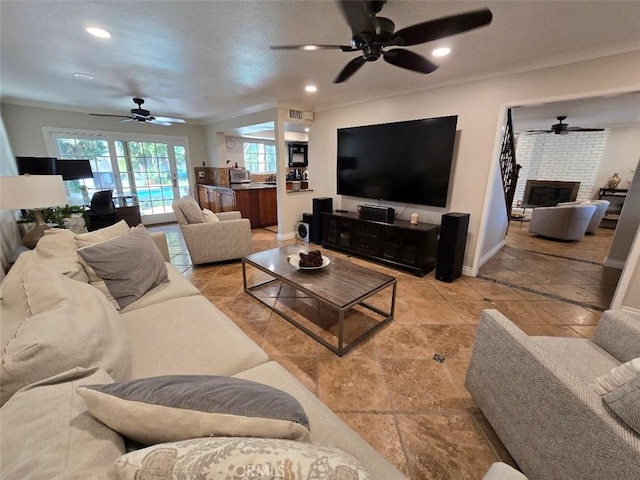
(536, 394)
(172, 329)
(563, 222)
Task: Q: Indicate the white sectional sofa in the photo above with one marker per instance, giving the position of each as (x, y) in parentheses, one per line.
(171, 329)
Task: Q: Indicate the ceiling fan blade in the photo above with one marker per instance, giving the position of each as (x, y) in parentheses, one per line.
(539, 131)
(349, 69)
(128, 119)
(311, 47)
(169, 119)
(581, 129)
(155, 121)
(409, 60)
(107, 115)
(441, 27)
(357, 16)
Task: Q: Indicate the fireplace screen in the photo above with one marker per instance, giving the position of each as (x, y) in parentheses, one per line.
(548, 193)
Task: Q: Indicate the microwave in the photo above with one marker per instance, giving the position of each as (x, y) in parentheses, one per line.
(239, 175)
(298, 156)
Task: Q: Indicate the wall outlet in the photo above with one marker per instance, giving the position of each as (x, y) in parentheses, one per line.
(200, 174)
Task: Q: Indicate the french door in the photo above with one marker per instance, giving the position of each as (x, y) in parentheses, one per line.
(152, 171)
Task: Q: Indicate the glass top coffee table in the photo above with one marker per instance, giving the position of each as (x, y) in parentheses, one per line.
(327, 303)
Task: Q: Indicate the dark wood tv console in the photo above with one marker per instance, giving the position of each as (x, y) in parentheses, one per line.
(401, 245)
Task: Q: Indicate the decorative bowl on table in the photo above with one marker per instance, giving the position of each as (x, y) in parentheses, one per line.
(313, 260)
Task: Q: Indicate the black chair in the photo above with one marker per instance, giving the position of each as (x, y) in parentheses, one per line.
(102, 211)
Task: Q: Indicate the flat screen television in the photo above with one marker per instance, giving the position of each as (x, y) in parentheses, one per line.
(406, 162)
(36, 166)
(72, 169)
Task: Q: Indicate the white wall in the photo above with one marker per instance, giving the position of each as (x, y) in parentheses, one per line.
(621, 155)
(575, 157)
(478, 106)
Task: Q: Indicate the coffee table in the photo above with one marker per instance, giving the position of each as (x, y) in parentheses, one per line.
(339, 288)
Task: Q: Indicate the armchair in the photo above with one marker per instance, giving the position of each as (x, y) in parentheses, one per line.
(227, 239)
(601, 210)
(564, 222)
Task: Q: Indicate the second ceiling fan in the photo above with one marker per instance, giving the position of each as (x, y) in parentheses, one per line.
(372, 35)
(564, 128)
(142, 115)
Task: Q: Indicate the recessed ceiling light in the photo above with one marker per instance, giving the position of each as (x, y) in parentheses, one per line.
(306, 129)
(83, 76)
(311, 88)
(310, 47)
(98, 32)
(441, 52)
(208, 97)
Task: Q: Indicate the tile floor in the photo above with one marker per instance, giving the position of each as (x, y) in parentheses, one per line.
(412, 409)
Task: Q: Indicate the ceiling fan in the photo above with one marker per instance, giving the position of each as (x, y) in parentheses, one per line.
(372, 35)
(143, 116)
(564, 128)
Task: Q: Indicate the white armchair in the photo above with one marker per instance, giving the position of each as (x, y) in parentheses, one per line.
(226, 239)
(601, 210)
(564, 222)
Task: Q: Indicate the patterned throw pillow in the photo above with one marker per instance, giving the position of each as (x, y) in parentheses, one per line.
(240, 458)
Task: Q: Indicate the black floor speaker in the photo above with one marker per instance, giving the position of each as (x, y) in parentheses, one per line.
(453, 239)
(320, 204)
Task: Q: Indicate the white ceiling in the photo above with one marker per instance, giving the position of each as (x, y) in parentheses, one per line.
(174, 53)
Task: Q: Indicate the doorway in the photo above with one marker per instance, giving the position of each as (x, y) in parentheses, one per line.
(576, 268)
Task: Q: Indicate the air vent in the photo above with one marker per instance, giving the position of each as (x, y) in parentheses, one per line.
(300, 115)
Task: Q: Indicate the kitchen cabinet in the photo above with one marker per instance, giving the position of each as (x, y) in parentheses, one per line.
(216, 199)
(259, 205)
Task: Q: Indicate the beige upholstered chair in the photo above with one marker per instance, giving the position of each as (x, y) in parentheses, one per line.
(601, 210)
(226, 239)
(564, 222)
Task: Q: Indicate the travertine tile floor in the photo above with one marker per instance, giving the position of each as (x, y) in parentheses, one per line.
(412, 409)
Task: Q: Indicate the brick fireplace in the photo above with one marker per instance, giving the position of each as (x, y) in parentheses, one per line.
(548, 193)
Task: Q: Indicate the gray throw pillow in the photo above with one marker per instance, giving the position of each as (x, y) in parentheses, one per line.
(130, 265)
(179, 407)
(625, 403)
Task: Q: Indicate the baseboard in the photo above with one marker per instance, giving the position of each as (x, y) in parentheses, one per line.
(619, 264)
(487, 256)
(286, 236)
(467, 271)
(635, 311)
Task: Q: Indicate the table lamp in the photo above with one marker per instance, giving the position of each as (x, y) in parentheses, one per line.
(32, 192)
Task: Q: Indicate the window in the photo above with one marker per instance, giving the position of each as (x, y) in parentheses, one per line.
(260, 157)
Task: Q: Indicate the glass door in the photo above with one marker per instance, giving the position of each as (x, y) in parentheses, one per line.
(152, 173)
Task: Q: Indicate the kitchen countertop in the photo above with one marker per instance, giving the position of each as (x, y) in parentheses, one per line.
(252, 186)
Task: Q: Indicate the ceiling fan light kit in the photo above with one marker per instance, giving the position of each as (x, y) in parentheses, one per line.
(142, 115)
(371, 35)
